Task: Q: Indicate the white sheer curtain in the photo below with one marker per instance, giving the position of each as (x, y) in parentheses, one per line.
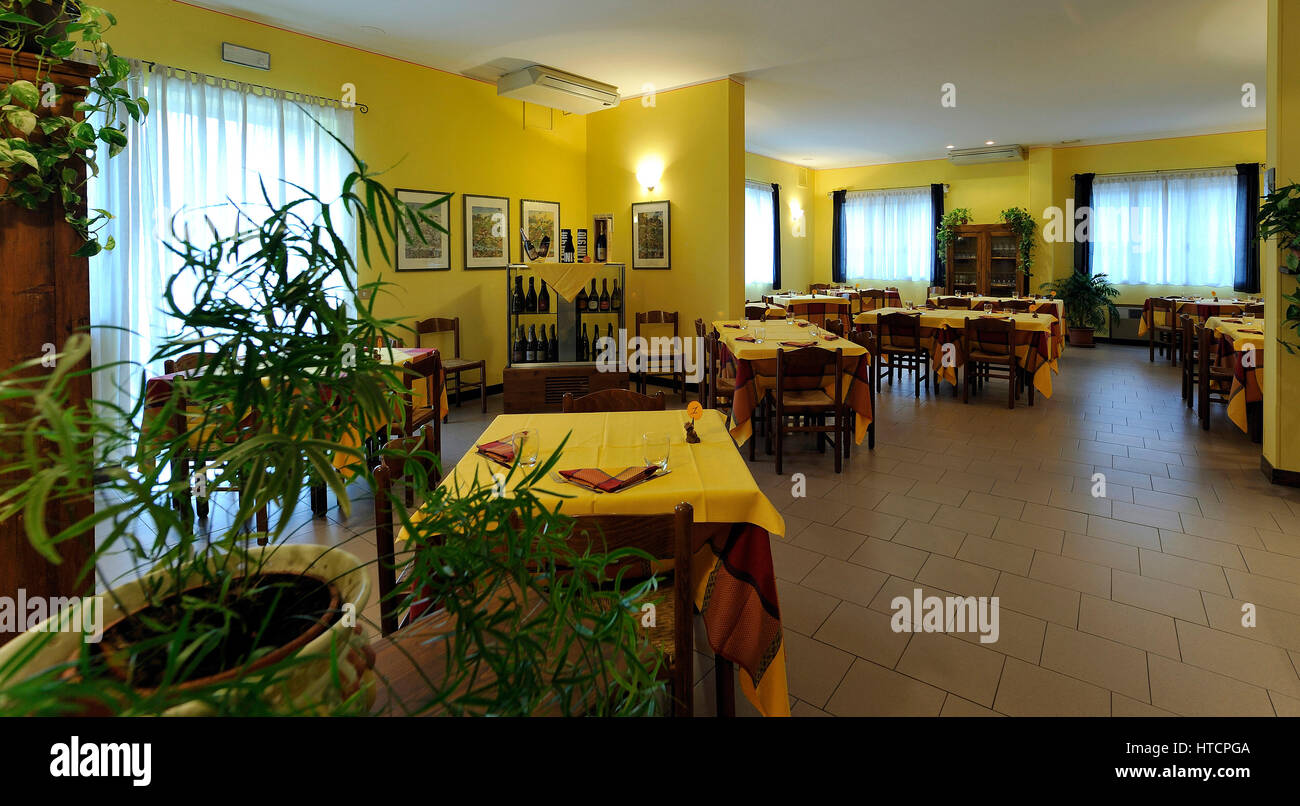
(888, 234)
(759, 260)
(1177, 228)
(205, 141)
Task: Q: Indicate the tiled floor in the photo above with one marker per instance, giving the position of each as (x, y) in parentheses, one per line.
(1128, 604)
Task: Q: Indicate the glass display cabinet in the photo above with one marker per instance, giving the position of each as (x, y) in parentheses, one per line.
(984, 259)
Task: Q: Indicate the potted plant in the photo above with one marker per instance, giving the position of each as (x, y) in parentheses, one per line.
(946, 232)
(1025, 228)
(1279, 216)
(289, 384)
(1089, 304)
(48, 146)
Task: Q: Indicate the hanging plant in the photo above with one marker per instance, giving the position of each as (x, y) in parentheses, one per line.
(41, 152)
(947, 230)
(1279, 216)
(1025, 229)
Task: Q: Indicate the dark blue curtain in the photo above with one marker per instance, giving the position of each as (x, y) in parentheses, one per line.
(1246, 273)
(776, 236)
(937, 258)
(1082, 209)
(838, 242)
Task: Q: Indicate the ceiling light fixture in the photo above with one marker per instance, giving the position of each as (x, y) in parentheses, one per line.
(949, 146)
(988, 142)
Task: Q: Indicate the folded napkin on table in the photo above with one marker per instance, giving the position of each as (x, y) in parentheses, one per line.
(993, 316)
(501, 450)
(1228, 319)
(1250, 330)
(803, 324)
(798, 343)
(829, 337)
(593, 478)
(750, 339)
(735, 326)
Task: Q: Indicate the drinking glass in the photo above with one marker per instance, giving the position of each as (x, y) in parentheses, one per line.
(525, 442)
(654, 446)
(1248, 318)
(812, 331)
(911, 305)
(988, 307)
(789, 317)
(759, 332)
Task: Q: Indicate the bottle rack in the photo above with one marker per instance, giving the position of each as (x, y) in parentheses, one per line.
(564, 314)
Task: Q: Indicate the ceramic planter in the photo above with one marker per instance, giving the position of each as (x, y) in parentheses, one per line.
(1081, 337)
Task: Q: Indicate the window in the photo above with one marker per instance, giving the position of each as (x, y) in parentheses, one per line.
(1176, 228)
(888, 234)
(760, 236)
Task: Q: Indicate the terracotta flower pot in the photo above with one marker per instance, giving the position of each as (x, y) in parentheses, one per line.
(1081, 337)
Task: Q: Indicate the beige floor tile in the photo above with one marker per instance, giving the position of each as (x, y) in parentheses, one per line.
(1038, 599)
(1276, 627)
(996, 554)
(904, 507)
(968, 670)
(1067, 572)
(892, 558)
(1131, 534)
(1083, 502)
(928, 537)
(792, 562)
(1043, 478)
(870, 522)
(965, 520)
(1264, 590)
(1182, 571)
(958, 576)
(845, 580)
(1019, 636)
(1127, 706)
(1106, 663)
(831, 541)
(855, 495)
(1022, 489)
(999, 506)
(1055, 518)
(1269, 564)
(1280, 543)
(1203, 549)
(886, 482)
(936, 494)
(872, 690)
(1219, 530)
(1164, 500)
(1147, 516)
(1234, 513)
(817, 510)
(1284, 705)
(956, 706)
(813, 669)
(1136, 627)
(803, 709)
(1028, 690)
(803, 609)
(1031, 535)
(971, 482)
(865, 633)
(1101, 552)
(1171, 599)
(1239, 658)
(1192, 691)
(895, 587)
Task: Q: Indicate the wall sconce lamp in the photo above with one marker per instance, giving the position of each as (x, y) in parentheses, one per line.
(798, 224)
(649, 172)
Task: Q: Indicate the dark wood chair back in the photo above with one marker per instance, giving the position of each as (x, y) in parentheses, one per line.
(954, 302)
(835, 326)
(872, 299)
(899, 331)
(817, 288)
(612, 400)
(1162, 313)
(439, 325)
(1254, 309)
(1017, 305)
(397, 464)
(187, 362)
(756, 310)
(989, 337)
(424, 369)
(656, 318)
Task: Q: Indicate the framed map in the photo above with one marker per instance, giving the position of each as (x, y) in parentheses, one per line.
(431, 250)
(651, 241)
(487, 231)
(540, 235)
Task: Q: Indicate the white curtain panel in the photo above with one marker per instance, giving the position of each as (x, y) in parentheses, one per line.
(888, 234)
(758, 239)
(1177, 228)
(205, 141)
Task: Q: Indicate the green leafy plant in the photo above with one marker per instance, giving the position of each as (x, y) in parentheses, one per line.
(946, 232)
(1089, 300)
(42, 153)
(289, 384)
(1026, 229)
(1279, 217)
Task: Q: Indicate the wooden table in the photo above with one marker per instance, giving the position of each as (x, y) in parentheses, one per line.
(1047, 305)
(734, 583)
(1241, 346)
(1035, 344)
(756, 370)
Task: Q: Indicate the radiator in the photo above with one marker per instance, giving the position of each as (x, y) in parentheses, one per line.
(1125, 326)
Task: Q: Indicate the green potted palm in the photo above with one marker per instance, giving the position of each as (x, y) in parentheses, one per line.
(1279, 217)
(1089, 304)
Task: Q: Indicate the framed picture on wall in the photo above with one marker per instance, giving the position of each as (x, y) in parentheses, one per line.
(651, 241)
(431, 250)
(539, 223)
(487, 231)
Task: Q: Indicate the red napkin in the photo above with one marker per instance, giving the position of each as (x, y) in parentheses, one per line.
(501, 450)
(993, 316)
(829, 337)
(735, 326)
(1234, 321)
(1251, 330)
(593, 478)
(798, 343)
(803, 324)
(750, 339)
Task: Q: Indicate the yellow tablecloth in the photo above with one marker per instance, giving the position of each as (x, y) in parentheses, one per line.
(1248, 373)
(397, 357)
(1203, 308)
(712, 477)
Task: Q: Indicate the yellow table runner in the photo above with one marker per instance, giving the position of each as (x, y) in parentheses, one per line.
(1240, 393)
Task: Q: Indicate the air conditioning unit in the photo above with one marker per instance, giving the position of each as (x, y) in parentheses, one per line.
(557, 89)
(977, 156)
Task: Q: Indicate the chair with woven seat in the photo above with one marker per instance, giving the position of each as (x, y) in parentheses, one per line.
(611, 400)
(455, 365)
(1163, 331)
(661, 362)
(801, 395)
(398, 464)
(899, 341)
(1213, 382)
(1254, 309)
(988, 343)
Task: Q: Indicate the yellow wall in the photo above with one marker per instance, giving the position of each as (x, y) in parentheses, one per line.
(796, 252)
(436, 130)
(698, 134)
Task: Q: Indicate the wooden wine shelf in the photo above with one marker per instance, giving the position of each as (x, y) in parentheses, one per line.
(541, 388)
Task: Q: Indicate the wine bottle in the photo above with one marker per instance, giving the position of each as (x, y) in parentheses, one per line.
(593, 301)
(518, 303)
(568, 254)
(609, 330)
(584, 349)
(530, 346)
(604, 294)
(600, 246)
(580, 301)
(530, 303)
(543, 346)
(517, 354)
(544, 300)
(554, 354)
(616, 298)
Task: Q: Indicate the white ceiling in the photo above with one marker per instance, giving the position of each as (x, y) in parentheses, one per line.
(833, 83)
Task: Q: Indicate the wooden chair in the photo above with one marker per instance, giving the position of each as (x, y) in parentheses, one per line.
(397, 465)
(962, 303)
(756, 310)
(664, 537)
(1213, 382)
(1190, 356)
(721, 389)
(1254, 309)
(800, 378)
(455, 366)
(899, 340)
(1165, 335)
(612, 400)
(817, 288)
(835, 326)
(187, 362)
(873, 299)
(866, 339)
(423, 369)
(658, 359)
(988, 343)
(1016, 305)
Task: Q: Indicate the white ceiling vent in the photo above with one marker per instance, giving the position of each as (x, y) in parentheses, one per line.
(557, 89)
(977, 156)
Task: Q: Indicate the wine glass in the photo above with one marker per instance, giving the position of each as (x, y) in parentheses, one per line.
(759, 332)
(525, 441)
(812, 331)
(1248, 319)
(654, 446)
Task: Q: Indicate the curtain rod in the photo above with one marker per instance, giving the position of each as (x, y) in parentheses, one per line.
(900, 187)
(319, 99)
(1173, 170)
